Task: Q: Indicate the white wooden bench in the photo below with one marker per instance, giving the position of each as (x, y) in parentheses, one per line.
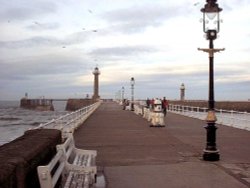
(76, 167)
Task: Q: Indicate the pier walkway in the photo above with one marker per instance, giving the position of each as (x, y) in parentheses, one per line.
(131, 154)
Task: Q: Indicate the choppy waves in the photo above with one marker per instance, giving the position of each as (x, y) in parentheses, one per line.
(14, 120)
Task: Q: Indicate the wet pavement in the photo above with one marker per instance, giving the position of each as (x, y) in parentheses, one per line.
(131, 154)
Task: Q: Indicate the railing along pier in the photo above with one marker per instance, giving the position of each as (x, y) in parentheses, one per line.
(225, 117)
(71, 121)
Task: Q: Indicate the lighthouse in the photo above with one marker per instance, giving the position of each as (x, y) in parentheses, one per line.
(96, 74)
(182, 92)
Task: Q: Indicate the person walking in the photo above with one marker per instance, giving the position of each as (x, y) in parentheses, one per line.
(164, 104)
(148, 103)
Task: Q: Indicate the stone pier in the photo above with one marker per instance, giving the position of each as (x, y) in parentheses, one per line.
(37, 104)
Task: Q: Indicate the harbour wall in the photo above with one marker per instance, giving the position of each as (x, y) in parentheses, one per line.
(47, 104)
(37, 104)
(75, 104)
(19, 159)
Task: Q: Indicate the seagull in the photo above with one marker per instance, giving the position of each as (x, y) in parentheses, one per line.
(94, 30)
(196, 3)
(83, 29)
(64, 47)
(90, 11)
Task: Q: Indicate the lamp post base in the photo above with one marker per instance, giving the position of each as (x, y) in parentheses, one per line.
(209, 155)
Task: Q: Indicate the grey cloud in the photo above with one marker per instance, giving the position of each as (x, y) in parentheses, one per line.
(42, 66)
(43, 75)
(139, 14)
(132, 27)
(239, 84)
(195, 79)
(31, 42)
(232, 90)
(196, 85)
(16, 10)
(228, 73)
(78, 37)
(74, 38)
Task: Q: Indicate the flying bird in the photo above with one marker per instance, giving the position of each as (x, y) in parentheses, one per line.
(64, 47)
(195, 4)
(90, 11)
(94, 30)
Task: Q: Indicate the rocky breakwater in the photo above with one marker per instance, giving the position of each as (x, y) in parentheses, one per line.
(242, 106)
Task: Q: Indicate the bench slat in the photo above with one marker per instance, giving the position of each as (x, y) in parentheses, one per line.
(76, 180)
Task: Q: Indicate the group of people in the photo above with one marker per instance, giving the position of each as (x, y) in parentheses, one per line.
(150, 104)
(164, 104)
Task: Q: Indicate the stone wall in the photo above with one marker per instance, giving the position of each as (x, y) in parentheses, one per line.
(75, 104)
(243, 106)
(37, 104)
(19, 159)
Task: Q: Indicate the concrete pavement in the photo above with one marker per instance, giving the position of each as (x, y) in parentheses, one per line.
(132, 155)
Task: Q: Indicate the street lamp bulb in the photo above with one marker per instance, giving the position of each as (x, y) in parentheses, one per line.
(212, 34)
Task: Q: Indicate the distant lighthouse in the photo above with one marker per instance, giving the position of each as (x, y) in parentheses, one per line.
(96, 74)
(182, 92)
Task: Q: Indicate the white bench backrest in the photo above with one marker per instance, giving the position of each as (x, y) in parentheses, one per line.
(44, 172)
(67, 147)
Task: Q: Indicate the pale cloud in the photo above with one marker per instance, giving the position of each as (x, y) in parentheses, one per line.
(123, 51)
(137, 18)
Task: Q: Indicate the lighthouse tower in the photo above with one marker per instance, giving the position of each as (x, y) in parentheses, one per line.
(96, 74)
(182, 92)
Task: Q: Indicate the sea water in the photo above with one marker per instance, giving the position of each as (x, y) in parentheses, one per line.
(14, 121)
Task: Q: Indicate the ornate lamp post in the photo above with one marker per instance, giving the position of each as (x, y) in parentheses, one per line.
(211, 26)
(132, 82)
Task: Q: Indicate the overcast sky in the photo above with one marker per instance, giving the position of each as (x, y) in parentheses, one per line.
(50, 48)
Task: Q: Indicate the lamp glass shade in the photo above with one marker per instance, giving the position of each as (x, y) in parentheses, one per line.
(211, 21)
(132, 81)
(211, 15)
